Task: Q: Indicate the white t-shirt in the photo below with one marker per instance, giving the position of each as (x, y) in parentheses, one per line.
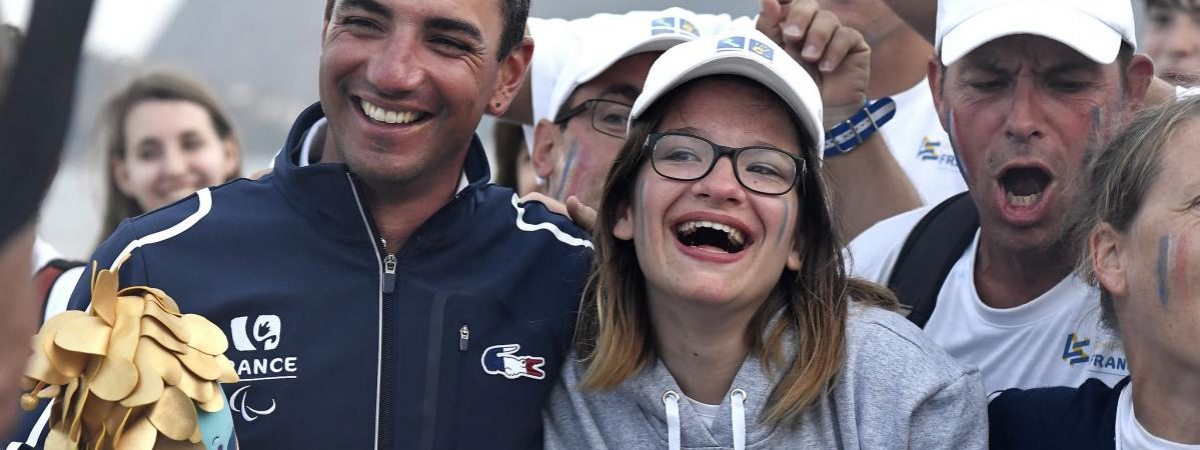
(1130, 434)
(43, 253)
(922, 147)
(1054, 340)
(708, 413)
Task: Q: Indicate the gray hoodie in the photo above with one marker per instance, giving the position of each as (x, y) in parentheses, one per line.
(896, 390)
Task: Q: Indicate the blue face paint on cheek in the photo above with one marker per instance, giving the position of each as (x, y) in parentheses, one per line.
(572, 151)
(783, 226)
(954, 147)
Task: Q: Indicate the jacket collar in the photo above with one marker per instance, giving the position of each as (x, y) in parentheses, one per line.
(323, 191)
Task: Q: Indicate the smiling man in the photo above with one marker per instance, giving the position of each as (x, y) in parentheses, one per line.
(378, 292)
(1027, 102)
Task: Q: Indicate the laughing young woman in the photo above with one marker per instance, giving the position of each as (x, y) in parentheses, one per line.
(720, 315)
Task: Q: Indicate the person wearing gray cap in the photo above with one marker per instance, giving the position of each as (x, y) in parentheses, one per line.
(1030, 91)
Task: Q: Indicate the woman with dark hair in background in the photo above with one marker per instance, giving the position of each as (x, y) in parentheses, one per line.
(164, 137)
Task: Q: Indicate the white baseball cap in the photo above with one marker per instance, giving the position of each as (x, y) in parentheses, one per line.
(615, 37)
(747, 54)
(1094, 28)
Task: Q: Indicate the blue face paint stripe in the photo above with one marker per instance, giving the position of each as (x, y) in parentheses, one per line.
(1164, 260)
(787, 218)
(562, 181)
(952, 133)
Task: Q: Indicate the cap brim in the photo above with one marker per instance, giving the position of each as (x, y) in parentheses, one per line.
(733, 63)
(1078, 30)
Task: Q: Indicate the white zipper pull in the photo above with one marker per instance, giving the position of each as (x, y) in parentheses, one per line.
(464, 337)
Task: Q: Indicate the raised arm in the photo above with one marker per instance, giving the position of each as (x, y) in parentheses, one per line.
(921, 15)
(867, 184)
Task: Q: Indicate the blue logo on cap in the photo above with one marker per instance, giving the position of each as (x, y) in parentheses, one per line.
(731, 44)
(668, 22)
(688, 28)
(762, 50)
(673, 25)
(743, 43)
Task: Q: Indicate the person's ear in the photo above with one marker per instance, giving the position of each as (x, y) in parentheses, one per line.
(120, 175)
(546, 136)
(623, 226)
(794, 261)
(1106, 254)
(934, 75)
(1138, 76)
(510, 76)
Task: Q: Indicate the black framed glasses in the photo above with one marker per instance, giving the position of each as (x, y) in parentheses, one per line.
(608, 116)
(684, 157)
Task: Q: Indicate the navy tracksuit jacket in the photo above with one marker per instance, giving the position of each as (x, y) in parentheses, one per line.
(458, 349)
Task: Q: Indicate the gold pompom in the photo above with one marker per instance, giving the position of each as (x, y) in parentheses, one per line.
(29, 402)
(129, 373)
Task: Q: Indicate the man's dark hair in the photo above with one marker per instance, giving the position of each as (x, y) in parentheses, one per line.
(514, 12)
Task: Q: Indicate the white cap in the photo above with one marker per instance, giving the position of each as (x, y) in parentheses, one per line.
(746, 54)
(1094, 28)
(612, 38)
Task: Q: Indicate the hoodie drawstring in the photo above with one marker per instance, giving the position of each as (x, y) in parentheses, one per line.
(671, 399)
(737, 407)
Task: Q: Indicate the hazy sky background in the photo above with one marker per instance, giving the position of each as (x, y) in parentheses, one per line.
(119, 28)
(127, 28)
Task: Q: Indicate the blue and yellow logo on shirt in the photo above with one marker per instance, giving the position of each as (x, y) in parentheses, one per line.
(929, 149)
(1075, 350)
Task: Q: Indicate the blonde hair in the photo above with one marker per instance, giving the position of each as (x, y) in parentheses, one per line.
(1120, 178)
(614, 335)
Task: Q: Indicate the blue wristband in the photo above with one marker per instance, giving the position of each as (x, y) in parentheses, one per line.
(854, 131)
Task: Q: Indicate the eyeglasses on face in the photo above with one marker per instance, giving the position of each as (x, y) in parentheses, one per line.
(608, 116)
(684, 157)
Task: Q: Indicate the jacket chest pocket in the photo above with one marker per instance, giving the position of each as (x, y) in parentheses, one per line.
(504, 368)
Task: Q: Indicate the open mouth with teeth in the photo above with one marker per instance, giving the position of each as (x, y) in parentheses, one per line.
(381, 115)
(711, 236)
(1024, 186)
